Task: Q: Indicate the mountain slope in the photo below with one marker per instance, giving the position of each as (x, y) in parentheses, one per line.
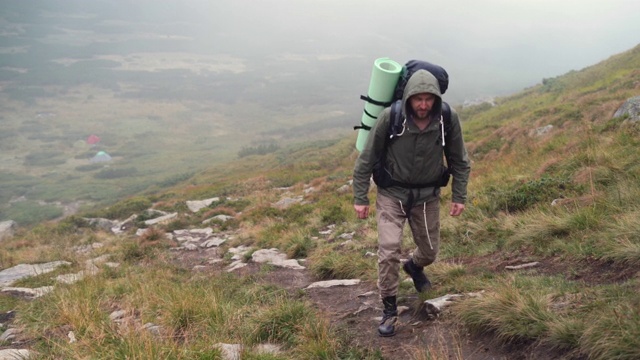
(555, 182)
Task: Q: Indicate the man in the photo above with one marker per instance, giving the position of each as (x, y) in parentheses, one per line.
(414, 156)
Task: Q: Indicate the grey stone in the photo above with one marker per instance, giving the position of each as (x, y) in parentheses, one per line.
(332, 283)
(7, 229)
(631, 108)
(10, 275)
(28, 292)
(197, 205)
(276, 258)
(9, 334)
(14, 354)
(161, 220)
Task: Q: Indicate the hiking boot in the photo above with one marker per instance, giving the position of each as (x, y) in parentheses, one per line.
(389, 317)
(416, 272)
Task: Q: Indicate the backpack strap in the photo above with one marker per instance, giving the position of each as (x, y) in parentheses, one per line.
(374, 102)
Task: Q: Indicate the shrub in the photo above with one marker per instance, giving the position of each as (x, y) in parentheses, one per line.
(27, 213)
(126, 208)
(262, 149)
(115, 173)
(45, 158)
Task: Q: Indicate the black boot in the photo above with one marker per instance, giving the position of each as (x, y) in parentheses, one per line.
(389, 318)
(416, 272)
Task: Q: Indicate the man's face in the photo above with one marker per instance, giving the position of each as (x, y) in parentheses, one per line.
(421, 104)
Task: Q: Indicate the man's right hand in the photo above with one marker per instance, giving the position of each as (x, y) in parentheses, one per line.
(362, 211)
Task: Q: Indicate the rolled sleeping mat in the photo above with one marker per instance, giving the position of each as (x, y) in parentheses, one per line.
(384, 77)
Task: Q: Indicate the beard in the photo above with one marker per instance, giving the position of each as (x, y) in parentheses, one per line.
(421, 114)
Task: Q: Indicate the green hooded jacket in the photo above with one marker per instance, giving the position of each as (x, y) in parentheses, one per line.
(415, 156)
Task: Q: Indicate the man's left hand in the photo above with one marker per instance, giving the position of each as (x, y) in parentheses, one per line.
(456, 209)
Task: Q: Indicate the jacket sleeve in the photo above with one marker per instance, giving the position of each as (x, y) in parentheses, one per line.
(368, 157)
(458, 160)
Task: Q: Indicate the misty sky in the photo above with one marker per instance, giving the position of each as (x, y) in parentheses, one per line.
(489, 47)
(507, 44)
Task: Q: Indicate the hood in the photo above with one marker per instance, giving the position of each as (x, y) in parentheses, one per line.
(422, 81)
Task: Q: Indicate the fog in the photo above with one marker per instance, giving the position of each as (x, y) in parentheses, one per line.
(491, 47)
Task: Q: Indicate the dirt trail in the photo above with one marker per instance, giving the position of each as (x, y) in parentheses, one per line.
(356, 310)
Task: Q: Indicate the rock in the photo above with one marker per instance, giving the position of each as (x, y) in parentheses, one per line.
(70, 278)
(230, 351)
(272, 349)
(285, 203)
(344, 189)
(10, 275)
(161, 219)
(197, 205)
(239, 252)
(102, 223)
(276, 258)
(9, 334)
(222, 218)
(153, 329)
(215, 242)
(522, 266)
(72, 337)
(7, 229)
(28, 292)
(332, 283)
(236, 265)
(630, 108)
(117, 315)
(543, 130)
(435, 306)
(347, 236)
(14, 354)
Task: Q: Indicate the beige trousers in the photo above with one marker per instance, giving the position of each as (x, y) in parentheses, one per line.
(391, 218)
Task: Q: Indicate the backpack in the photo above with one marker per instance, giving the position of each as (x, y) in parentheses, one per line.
(381, 175)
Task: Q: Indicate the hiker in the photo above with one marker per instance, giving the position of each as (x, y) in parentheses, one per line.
(414, 160)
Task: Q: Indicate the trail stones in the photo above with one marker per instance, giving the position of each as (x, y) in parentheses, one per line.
(522, 266)
(276, 258)
(10, 275)
(333, 283)
(435, 306)
(194, 239)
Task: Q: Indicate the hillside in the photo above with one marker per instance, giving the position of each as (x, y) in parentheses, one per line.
(555, 183)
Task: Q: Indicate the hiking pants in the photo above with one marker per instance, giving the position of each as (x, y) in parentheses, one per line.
(391, 217)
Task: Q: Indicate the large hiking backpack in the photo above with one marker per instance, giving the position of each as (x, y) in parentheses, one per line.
(381, 175)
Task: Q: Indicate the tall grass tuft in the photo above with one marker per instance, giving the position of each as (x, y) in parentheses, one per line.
(615, 334)
(513, 314)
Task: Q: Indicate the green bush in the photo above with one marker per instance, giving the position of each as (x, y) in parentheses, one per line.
(89, 167)
(126, 208)
(115, 173)
(44, 158)
(27, 213)
(262, 149)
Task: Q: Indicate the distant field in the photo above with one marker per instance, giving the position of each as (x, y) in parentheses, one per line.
(161, 112)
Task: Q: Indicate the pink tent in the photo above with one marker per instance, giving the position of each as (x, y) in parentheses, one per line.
(93, 139)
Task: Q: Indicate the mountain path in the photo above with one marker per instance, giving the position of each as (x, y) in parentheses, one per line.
(355, 310)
